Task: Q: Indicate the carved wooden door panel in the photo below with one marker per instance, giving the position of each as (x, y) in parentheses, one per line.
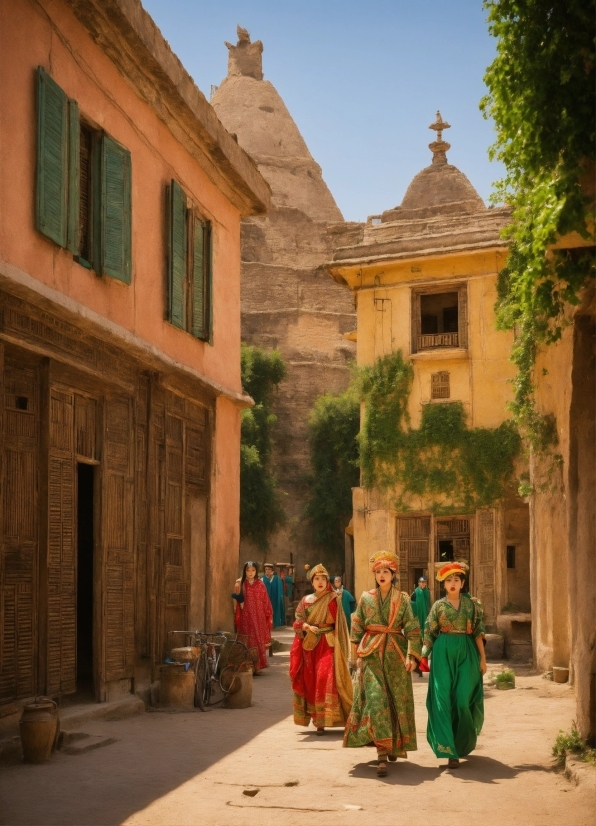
(117, 533)
(18, 549)
(177, 586)
(483, 584)
(61, 560)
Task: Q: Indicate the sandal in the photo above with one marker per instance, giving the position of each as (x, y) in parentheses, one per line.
(321, 731)
(392, 758)
(452, 763)
(382, 767)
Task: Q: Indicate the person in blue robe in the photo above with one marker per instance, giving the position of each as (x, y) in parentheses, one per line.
(348, 602)
(275, 589)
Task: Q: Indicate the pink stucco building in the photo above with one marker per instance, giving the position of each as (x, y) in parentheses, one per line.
(121, 196)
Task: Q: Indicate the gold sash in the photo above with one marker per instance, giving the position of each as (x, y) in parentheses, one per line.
(339, 641)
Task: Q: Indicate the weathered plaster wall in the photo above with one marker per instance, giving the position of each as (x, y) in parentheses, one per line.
(480, 374)
(47, 34)
(563, 561)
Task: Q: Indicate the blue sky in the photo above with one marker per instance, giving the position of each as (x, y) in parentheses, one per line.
(362, 80)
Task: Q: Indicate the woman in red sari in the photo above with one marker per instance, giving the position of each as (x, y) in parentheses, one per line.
(253, 611)
(319, 657)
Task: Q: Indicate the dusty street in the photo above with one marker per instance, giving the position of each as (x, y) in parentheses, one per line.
(168, 769)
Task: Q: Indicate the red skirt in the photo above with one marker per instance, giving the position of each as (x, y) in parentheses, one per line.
(315, 689)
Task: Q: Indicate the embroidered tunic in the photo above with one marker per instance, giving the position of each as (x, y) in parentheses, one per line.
(455, 699)
(383, 709)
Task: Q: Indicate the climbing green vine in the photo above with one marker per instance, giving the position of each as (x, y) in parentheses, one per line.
(541, 98)
(450, 466)
(261, 506)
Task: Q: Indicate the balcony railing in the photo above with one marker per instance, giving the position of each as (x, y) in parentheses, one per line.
(438, 340)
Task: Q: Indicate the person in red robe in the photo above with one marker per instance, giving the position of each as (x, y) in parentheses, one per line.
(319, 657)
(253, 611)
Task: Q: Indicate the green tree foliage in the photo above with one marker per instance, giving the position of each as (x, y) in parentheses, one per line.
(332, 434)
(452, 467)
(261, 508)
(541, 97)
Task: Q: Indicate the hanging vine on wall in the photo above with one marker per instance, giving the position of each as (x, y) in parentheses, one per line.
(541, 98)
(451, 467)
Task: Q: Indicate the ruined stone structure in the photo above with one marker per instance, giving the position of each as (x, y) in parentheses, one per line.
(288, 302)
(425, 277)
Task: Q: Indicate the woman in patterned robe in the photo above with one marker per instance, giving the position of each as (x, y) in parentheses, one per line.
(454, 632)
(319, 657)
(388, 638)
(253, 611)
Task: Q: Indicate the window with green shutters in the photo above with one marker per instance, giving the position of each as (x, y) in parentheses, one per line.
(84, 181)
(189, 267)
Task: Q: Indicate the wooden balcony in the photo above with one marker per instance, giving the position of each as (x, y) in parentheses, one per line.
(438, 340)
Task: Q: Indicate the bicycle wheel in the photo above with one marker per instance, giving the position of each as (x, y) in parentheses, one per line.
(227, 679)
(202, 682)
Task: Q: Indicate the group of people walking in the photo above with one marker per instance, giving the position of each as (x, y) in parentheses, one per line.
(368, 689)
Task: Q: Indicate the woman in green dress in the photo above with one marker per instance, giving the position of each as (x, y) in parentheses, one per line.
(454, 632)
(386, 647)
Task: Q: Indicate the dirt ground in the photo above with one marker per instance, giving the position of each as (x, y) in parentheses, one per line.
(178, 769)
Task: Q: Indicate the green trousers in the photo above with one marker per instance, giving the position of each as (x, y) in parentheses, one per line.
(455, 699)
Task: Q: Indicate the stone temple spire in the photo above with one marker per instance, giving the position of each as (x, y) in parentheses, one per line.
(245, 58)
(439, 147)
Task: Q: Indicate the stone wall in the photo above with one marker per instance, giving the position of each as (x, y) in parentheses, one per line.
(288, 301)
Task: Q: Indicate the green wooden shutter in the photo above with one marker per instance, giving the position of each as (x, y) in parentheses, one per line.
(177, 255)
(209, 280)
(74, 177)
(199, 282)
(52, 159)
(115, 215)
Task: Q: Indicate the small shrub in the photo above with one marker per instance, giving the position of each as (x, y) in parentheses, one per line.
(572, 743)
(506, 679)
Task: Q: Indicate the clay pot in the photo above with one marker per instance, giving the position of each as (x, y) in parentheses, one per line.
(241, 698)
(39, 730)
(560, 675)
(177, 686)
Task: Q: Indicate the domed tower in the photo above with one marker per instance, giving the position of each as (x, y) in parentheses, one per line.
(287, 300)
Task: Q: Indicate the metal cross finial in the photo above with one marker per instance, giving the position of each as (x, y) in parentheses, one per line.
(439, 125)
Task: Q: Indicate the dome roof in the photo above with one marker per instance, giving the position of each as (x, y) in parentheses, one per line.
(440, 187)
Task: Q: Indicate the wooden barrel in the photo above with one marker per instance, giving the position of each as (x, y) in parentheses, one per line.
(39, 729)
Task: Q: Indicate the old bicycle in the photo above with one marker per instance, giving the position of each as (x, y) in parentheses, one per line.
(219, 658)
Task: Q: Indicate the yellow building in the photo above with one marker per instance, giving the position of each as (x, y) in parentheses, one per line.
(424, 280)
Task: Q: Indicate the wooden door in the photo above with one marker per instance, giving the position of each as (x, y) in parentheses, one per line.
(414, 547)
(18, 548)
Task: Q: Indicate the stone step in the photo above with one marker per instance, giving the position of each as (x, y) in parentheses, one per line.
(77, 742)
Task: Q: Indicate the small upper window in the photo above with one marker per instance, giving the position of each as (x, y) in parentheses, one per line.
(439, 319)
(439, 385)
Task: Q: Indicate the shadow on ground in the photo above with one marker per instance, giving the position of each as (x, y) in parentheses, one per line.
(155, 753)
(472, 770)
